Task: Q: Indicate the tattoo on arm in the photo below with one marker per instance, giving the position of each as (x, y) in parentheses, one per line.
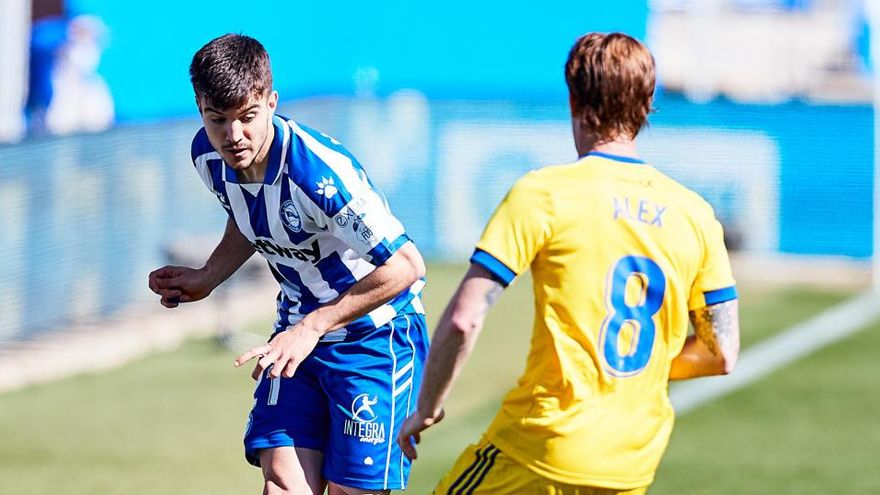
(717, 326)
(492, 295)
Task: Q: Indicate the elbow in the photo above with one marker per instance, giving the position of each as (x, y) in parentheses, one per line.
(417, 269)
(413, 268)
(465, 325)
(728, 363)
(412, 272)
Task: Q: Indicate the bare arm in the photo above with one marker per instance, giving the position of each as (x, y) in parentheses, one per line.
(290, 347)
(400, 271)
(232, 251)
(454, 339)
(177, 284)
(714, 347)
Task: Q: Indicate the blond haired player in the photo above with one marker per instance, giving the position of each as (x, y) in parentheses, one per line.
(620, 255)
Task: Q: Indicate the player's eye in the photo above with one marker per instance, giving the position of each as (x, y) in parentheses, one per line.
(247, 118)
(218, 121)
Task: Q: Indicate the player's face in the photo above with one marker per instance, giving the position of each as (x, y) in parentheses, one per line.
(240, 135)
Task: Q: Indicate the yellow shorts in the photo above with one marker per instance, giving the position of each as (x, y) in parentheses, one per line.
(482, 469)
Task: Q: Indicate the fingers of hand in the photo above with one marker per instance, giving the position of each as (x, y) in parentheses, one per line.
(269, 360)
(285, 365)
(169, 302)
(255, 374)
(407, 446)
(259, 351)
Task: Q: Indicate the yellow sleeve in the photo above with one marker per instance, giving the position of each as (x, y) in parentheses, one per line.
(517, 231)
(714, 283)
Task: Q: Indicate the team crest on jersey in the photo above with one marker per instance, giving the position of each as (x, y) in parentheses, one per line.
(364, 422)
(290, 216)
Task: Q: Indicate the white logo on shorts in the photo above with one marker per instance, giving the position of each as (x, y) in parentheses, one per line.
(362, 408)
(363, 424)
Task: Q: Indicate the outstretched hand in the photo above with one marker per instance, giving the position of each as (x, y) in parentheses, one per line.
(284, 353)
(180, 284)
(411, 431)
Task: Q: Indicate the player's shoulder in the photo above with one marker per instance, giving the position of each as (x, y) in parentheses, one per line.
(200, 144)
(548, 178)
(690, 200)
(324, 170)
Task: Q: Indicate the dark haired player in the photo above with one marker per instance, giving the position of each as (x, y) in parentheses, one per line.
(338, 376)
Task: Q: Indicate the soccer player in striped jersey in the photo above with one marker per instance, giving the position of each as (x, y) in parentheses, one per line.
(621, 256)
(338, 376)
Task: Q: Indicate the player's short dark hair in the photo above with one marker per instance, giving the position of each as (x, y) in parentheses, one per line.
(610, 81)
(231, 69)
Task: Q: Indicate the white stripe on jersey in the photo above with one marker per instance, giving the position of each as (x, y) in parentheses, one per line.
(239, 210)
(339, 163)
(403, 370)
(201, 163)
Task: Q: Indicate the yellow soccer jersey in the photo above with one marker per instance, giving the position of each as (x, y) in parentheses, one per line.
(619, 253)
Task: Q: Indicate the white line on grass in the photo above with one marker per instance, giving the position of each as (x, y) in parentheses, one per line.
(798, 341)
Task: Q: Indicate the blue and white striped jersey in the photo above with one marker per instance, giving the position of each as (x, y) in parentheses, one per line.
(316, 218)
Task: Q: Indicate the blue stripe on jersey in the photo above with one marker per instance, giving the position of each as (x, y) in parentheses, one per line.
(504, 274)
(256, 206)
(619, 158)
(278, 278)
(295, 237)
(200, 144)
(308, 301)
(316, 178)
(720, 295)
(216, 168)
(337, 146)
(335, 273)
(382, 251)
(273, 168)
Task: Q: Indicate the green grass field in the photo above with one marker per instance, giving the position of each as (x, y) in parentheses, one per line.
(172, 423)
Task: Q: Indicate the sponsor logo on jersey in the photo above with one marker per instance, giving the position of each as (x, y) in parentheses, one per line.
(350, 215)
(290, 216)
(364, 422)
(268, 247)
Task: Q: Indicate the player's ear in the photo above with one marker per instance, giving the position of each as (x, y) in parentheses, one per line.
(199, 103)
(273, 100)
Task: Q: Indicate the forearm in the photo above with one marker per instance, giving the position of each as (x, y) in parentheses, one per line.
(232, 251)
(450, 349)
(714, 347)
(695, 360)
(455, 337)
(398, 273)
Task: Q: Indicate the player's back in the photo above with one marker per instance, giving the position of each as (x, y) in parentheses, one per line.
(617, 250)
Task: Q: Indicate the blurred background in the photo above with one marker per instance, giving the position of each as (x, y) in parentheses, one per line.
(765, 107)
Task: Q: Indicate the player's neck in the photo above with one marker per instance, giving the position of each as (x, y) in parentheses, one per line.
(626, 148)
(585, 141)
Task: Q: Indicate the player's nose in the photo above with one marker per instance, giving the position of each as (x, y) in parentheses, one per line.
(235, 131)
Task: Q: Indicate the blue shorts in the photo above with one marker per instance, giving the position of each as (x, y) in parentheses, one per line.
(347, 399)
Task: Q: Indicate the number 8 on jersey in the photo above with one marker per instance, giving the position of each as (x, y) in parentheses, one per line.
(638, 315)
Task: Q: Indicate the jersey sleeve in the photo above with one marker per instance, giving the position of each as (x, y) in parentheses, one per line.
(342, 199)
(714, 283)
(516, 232)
